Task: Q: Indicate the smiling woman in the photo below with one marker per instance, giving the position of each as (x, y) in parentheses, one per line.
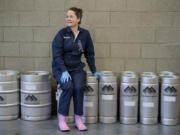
(68, 46)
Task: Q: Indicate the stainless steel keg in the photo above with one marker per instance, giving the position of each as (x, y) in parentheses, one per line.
(35, 95)
(129, 99)
(170, 100)
(70, 117)
(108, 98)
(9, 94)
(149, 99)
(90, 105)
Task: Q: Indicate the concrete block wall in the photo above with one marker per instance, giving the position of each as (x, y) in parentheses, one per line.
(136, 35)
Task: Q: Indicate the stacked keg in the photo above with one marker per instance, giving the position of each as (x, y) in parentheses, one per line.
(35, 95)
(90, 105)
(108, 98)
(9, 95)
(149, 98)
(170, 99)
(70, 117)
(129, 98)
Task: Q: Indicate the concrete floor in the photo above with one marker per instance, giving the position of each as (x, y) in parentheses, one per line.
(49, 127)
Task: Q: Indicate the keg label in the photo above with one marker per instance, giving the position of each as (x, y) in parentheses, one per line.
(170, 91)
(107, 90)
(107, 97)
(130, 91)
(88, 104)
(129, 103)
(148, 104)
(149, 92)
(169, 99)
(2, 99)
(31, 99)
(89, 91)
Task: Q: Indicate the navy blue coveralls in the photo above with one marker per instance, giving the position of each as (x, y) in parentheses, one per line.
(67, 52)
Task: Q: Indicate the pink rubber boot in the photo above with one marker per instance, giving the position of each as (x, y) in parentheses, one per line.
(62, 123)
(79, 124)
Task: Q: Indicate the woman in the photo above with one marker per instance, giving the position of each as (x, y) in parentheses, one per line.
(68, 46)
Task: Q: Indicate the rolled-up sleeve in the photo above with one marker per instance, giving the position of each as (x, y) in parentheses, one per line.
(89, 53)
(58, 65)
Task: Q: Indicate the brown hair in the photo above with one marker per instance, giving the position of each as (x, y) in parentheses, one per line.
(78, 12)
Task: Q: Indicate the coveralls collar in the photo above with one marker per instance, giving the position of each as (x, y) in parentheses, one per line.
(70, 30)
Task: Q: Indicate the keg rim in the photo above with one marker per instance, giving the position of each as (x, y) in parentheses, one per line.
(39, 73)
(10, 72)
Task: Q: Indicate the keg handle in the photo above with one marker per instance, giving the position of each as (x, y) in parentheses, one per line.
(1, 98)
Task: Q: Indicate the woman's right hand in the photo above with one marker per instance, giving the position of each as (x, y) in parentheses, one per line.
(65, 77)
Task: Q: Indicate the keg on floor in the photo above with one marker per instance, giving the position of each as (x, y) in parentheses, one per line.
(108, 98)
(9, 95)
(70, 117)
(129, 99)
(149, 99)
(90, 105)
(35, 95)
(170, 100)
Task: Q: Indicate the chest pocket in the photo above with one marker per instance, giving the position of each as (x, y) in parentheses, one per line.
(68, 43)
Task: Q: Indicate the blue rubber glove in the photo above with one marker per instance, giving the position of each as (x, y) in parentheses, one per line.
(65, 77)
(98, 74)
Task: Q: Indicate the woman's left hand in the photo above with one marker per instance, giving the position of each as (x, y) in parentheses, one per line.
(98, 74)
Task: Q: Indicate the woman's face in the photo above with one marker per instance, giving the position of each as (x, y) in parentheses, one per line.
(71, 19)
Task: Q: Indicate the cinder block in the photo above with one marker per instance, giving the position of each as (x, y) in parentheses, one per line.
(24, 5)
(102, 64)
(34, 50)
(57, 19)
(125, 50)
(84, 4)
(102, 50)
(126, 19)
(140, 65)
(19, 64)
(167, 35)
(18, 34)
(9, 18)
(1, 34)
(169, 65)
(110, 5)
(96, 18)
(50, 5)
(176, 19)
(116, 65)
(43, 64)
(1, 63)
(158, 19)
(9, 49)
(152, 5)
(1, 4)
(45, 34)
(34, 19)
(161, 51)
(119, 34)
(110, 34)
(144, 35)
